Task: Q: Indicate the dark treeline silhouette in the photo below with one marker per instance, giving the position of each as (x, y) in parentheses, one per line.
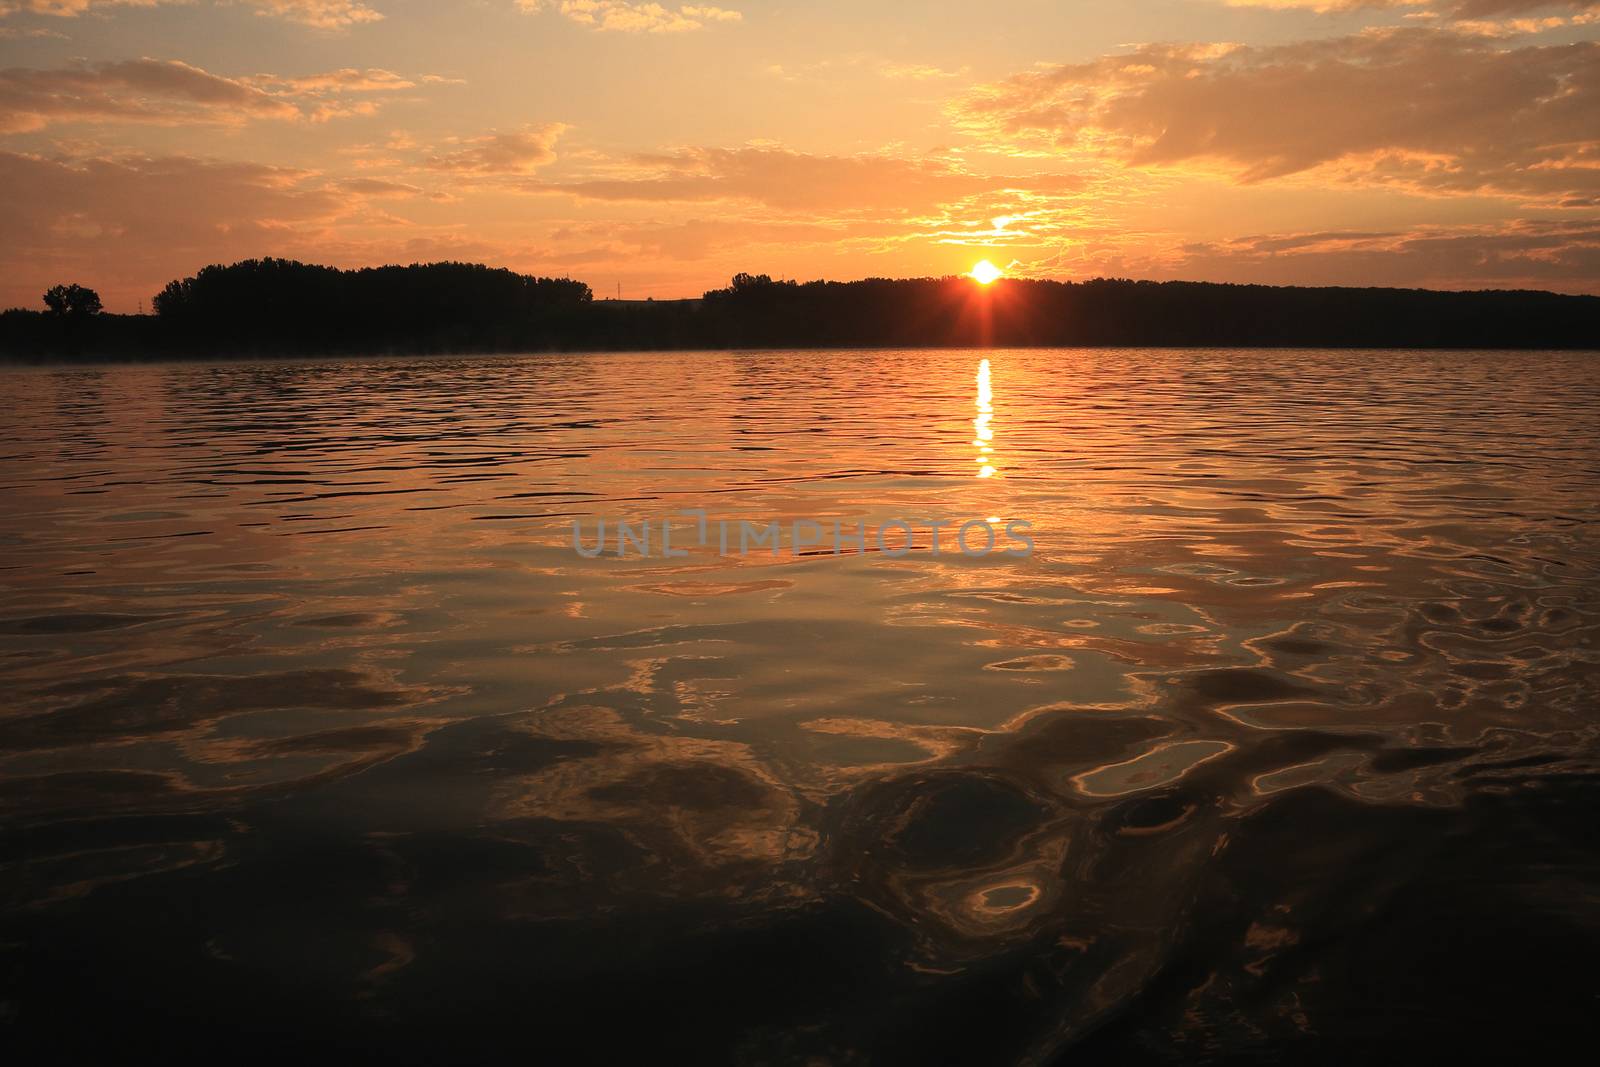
(281, 306)
(1017, 312)
(278, 307)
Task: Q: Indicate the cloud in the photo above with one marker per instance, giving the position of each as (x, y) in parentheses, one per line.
(326, 95)
(67, 8)
(173, 93)
(144, 218)
(1455, 9)
(128, 224)
(918, 72)
(1474, 9)
(348, 80)
(521, 152)
(178, 198)
(1515, 27)
(828, 69)
(1558, 254)
(1563, 255)
(378, 187)
(693, 239)
(785, 179)
(1433, 110)
(625, 17)
(162, 92)
(322, 14)
(1319, 6)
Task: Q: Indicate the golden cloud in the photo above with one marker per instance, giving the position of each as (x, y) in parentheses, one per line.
(322, 14)
(1429, 109)
(785, 179)
(626, 17)
(162, 92)
(519, 152)
(173, 93)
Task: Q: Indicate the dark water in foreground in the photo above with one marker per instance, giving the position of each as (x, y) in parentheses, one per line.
(318, 738)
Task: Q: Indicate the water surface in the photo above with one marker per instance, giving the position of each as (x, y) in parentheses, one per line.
(317, 728)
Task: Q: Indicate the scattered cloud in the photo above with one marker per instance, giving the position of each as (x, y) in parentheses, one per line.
(920, 72)
(139, 196)
(1522, 254)
(1450, 9)
(1429, 109)
(695, 238)
(377, 187)
(521, 152)
(162, 92)
(348, 80)
(133, 222)
(67, 8)
(885, 68)
(784, 179)
(322, 14)
(1521, 27)
(625, 17)
(1476, 9)
(168, 92)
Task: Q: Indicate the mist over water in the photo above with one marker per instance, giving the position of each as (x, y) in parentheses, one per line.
(317, 728)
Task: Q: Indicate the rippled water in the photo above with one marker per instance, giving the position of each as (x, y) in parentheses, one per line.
(318, 729)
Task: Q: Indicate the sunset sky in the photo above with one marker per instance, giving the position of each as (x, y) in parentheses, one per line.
(1451, 144)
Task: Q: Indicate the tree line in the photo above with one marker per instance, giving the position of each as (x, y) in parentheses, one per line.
(282, 307)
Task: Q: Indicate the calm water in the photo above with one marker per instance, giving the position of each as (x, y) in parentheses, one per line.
(318, 730)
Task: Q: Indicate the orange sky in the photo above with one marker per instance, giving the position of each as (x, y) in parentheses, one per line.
(1443, 143)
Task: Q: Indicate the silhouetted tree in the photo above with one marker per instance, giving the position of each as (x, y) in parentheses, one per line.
(74, 301)
(746, 283)
(282, 305)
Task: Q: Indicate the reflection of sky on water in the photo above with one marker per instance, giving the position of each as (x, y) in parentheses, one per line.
(245, 599)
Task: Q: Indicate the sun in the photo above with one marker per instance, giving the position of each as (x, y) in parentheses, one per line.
(985, 272)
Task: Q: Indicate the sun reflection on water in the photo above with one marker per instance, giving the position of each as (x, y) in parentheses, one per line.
(982, 426)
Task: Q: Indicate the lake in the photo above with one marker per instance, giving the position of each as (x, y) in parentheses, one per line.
(323, 727)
